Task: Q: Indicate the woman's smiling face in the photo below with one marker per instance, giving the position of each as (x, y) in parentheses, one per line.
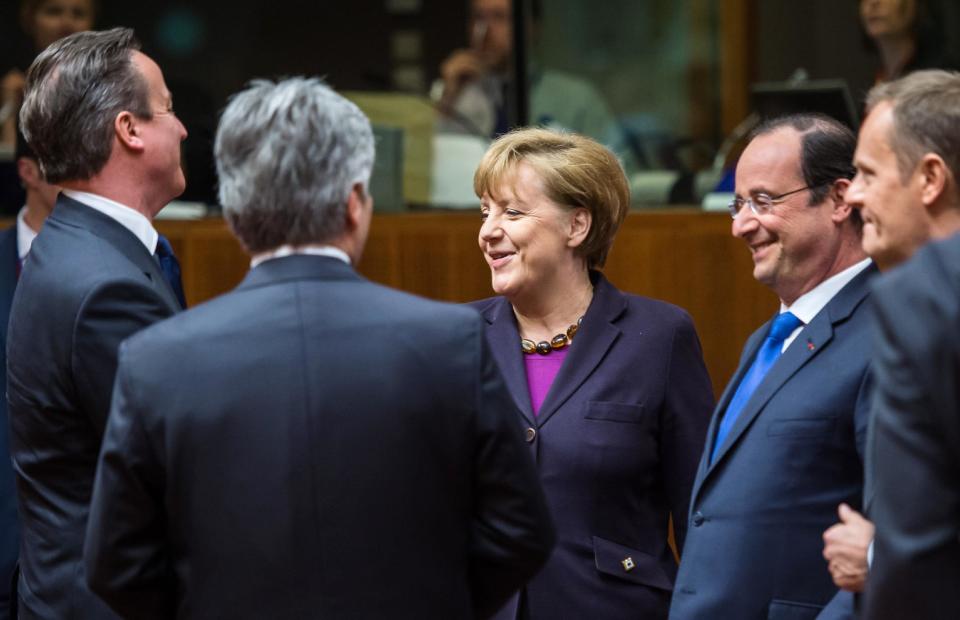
(525, 237)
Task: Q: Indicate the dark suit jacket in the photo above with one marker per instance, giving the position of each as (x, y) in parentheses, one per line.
(616, 444)
(9, 538)
(916, 445)
(87, 285)
(313, 445)
(758, 511)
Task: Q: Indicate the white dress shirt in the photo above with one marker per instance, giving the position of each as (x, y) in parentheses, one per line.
(290, 250)
(25, 235)
(134, 221)
(813, 301)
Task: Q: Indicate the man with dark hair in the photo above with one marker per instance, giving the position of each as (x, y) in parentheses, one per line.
(908, 165)
(786, 441)
(348, 451)
(100, 119)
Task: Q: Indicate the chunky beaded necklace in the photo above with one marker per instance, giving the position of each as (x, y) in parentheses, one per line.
(557, 342)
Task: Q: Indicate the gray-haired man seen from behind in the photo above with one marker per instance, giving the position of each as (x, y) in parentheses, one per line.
(336, 449)
(98, 115)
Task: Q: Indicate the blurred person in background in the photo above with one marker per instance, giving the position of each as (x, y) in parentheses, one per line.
(475, 87)
(14, 245)
(44, 21)
(906, 35)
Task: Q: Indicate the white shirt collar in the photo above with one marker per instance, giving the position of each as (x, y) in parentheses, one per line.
(134, 221)
(289, 250)
(25, 234)
(808, 305)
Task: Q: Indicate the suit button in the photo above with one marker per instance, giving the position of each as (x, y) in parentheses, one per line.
(698, 519)
(530, 434)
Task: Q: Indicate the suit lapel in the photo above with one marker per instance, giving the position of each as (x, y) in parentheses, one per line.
(74, 213)
(817, 334)
(596, 335)
(504, 341)
(809, 343)
(750, 351)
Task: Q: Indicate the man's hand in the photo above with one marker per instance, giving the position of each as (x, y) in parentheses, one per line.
(845, 547)
(460, 68)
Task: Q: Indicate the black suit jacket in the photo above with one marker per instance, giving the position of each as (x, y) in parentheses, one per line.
(87, 285)
(313, 445)
(616, 444)
(915, 458)
(9, 538)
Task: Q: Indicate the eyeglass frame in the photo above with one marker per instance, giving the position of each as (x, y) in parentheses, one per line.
(773, 200)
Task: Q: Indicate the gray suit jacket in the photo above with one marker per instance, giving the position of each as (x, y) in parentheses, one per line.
(88, 284)
(758, 511)
(312, 445)
(915, 463)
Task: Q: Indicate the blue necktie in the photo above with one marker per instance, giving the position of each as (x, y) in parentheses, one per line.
(782, 327)
(170, 267)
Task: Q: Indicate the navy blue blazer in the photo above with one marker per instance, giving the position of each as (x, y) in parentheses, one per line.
(88, 284)
(616, 444)
(9, 537)
(915, 452)
(336, 449)
(758, 511)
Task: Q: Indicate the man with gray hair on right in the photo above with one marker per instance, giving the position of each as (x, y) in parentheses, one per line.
(906, 187)
(335, 448)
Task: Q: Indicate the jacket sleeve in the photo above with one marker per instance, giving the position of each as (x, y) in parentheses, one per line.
(124, 552)
(913, 459)
(684, 419)
(111, 313)
(512, 533)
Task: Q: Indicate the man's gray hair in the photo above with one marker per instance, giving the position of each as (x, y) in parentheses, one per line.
(926, 117)
(74, 91)
(288, 155)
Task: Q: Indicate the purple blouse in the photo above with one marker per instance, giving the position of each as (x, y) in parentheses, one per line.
(541, 371)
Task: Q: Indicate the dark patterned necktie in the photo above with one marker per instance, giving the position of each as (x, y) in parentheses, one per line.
(170, 267)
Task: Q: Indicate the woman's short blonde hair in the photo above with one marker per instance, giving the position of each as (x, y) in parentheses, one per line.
(576, 172)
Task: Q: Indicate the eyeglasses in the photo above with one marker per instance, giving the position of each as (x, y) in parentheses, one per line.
(761, 204)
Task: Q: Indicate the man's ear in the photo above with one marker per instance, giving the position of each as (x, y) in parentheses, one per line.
(126, 127)
(841, 210)
(357, 204)
(580, 221)
(29, 172)
(934, 177)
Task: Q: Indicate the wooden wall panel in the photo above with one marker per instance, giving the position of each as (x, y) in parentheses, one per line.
(685, 257)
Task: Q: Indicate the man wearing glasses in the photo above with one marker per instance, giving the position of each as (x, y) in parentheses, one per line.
(786, 441)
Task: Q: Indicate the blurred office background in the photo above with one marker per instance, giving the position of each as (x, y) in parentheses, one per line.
(674, 74)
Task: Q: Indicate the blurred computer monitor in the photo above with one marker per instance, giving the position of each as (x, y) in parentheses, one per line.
(830, 97)
(386, 179)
